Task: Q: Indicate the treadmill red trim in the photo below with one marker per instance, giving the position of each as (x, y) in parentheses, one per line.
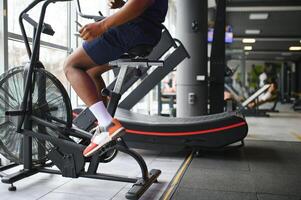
(181, 133)
(186, 133)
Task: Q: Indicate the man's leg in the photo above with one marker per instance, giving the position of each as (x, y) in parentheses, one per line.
(96, 75)
(76, 67)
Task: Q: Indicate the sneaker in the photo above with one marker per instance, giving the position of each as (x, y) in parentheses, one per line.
(103, 136)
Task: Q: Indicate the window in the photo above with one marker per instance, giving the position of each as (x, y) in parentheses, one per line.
(54, 51)
(17, 54)
(53, 60)
(56, 16)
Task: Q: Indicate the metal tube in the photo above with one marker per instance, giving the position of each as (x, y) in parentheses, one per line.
(137, 157)
(28, 8)
(34, 57)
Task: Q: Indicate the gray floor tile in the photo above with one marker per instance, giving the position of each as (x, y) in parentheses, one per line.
(282, 184)
(25, 193)
(33, 187)
(197, 194)
(268, 148)
(276, 157)
(69, 196)
(229, 160)
(296, 146)
(277, 197)
(152, 195)
(224, 180)
(278, 127)
(104, 189)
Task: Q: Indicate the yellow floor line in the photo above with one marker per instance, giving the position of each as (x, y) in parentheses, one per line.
(298, 136)
(177, 178)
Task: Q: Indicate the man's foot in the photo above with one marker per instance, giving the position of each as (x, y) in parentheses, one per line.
(103, 136)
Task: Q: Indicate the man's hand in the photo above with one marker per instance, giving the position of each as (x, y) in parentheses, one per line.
(130, 10)
(91, 31)
(113, 4)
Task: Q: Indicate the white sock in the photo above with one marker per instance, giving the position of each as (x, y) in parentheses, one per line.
(101, 113)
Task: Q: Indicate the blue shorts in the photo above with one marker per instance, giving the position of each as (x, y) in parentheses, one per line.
(118, 40)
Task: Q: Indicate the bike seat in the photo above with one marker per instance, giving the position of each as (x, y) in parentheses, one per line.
(141, 51)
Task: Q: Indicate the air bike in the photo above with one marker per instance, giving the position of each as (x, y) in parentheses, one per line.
(211, 132)
(36, 119)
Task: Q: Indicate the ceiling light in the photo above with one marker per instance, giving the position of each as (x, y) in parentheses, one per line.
(258, 16)
(248, 48)
(248, 40)
(252, 31)
(295, 48)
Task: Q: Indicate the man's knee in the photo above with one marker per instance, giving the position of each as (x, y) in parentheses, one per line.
(70, 65)
(67, 66)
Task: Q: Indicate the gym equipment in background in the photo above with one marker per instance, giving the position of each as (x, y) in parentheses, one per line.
(256, 111)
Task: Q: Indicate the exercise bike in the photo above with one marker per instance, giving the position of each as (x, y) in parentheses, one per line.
(36, 118)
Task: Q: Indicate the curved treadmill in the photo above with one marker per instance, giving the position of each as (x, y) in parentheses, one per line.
(212, 131)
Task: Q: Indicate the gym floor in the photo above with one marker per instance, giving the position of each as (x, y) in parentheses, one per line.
(267, 168)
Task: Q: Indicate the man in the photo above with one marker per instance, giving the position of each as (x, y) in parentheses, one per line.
(269, 96)
(137, 22)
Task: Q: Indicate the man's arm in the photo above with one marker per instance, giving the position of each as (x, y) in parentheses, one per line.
(131, 10)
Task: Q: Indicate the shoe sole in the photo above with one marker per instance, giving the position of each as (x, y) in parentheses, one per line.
(120, 132)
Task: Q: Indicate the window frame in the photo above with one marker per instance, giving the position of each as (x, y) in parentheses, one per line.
(3, 37)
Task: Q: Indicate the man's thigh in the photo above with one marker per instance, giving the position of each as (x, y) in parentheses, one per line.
(105, 48)
(80, 59)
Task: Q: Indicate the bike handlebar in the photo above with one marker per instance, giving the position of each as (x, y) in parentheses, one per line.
(23, 15)
(94, 17)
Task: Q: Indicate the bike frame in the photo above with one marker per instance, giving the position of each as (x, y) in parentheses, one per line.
(33, 55)
(25, 113)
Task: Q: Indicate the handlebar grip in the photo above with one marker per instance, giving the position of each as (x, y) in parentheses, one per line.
(94, 17)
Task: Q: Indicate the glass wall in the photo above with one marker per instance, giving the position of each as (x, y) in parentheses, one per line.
(54, 49)
(56, 16)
